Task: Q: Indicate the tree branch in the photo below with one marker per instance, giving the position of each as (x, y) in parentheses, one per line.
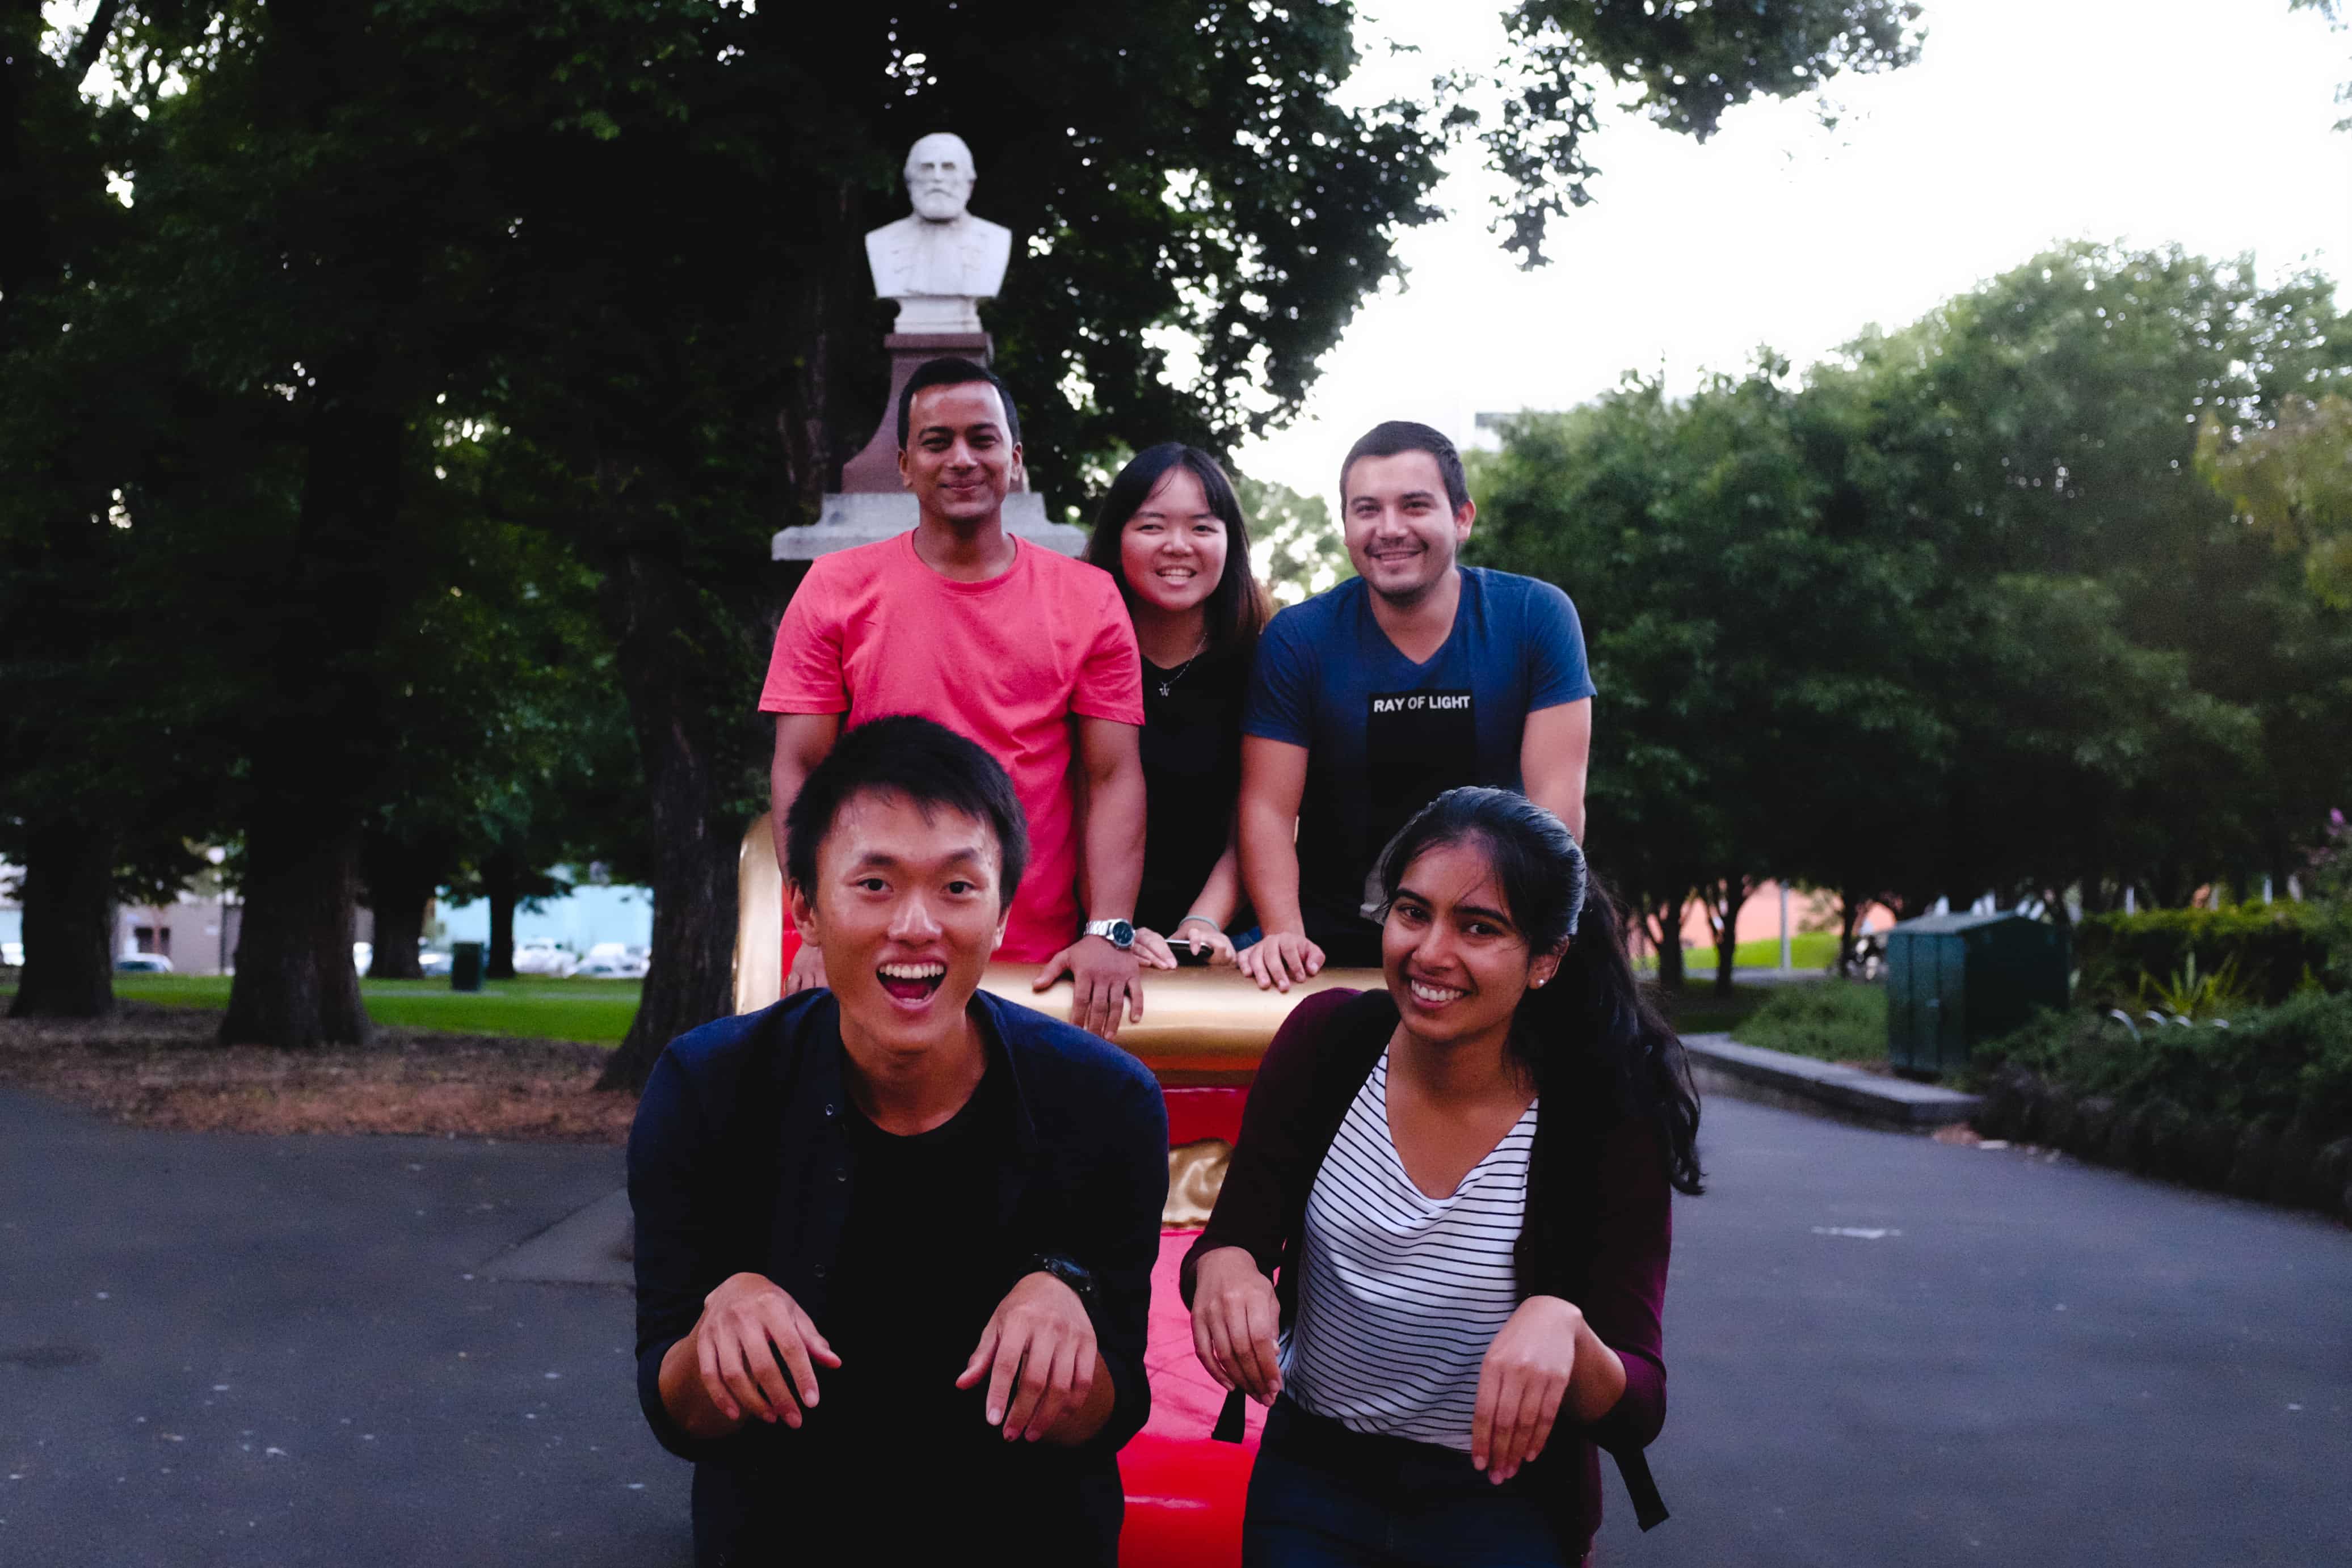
(93, 42)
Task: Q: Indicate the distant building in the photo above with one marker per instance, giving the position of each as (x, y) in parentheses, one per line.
(197, 931)
(590, 913)
(11, 916)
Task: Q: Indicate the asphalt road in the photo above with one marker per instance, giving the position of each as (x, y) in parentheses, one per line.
(1883, 1350)
(229, 1350)
(272, 1354)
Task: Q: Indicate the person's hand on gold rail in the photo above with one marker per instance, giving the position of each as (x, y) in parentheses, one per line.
(1199, 935)
(1104, 982)
(1282, 960)
(1153, 950)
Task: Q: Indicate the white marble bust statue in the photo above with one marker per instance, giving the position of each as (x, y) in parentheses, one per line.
(940, 261)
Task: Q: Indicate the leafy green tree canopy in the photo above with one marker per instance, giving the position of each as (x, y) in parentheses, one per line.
(2292, 479)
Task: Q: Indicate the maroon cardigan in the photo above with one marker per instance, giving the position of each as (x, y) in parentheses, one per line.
(1597, 1230)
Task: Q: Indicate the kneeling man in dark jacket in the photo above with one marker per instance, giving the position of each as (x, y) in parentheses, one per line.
(895, 1239)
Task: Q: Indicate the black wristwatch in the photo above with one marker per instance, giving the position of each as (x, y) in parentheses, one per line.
(1070, 1273)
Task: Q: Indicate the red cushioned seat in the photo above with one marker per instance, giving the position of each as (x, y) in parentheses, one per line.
(1184, 1491)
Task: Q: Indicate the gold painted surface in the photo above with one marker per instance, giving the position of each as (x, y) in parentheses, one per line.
(1196, 1173)
(1195, 1021)
(759, 919)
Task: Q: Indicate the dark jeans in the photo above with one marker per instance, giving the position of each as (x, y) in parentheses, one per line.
(1324, 1496)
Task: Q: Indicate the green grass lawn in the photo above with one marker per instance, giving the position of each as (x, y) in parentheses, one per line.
(1697, 1010)
(1835, 1020)
(593, 1012)
(1807, 950)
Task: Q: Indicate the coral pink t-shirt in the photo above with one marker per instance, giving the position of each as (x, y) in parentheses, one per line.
(1011, 663)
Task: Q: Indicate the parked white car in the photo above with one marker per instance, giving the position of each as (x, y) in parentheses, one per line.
(12, 954)
(143, 964)
(541, 957)
(616, 961)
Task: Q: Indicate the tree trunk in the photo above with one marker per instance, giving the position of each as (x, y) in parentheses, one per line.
(501, 883)
(401, 880)
(68, 924)
(1667, 919)
(1849, 908)
(692, 979)
(1725, 898)
(296, 986)
(691, 759)
(318, 747)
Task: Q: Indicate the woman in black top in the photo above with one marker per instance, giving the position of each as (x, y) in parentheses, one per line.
(1171, 533)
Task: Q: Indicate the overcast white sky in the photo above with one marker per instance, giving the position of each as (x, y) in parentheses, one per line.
(2200, 123)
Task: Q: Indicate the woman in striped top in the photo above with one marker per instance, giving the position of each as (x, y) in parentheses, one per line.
(1440, 1252)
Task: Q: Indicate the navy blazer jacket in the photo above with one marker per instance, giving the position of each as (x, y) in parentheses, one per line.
(739, 1161)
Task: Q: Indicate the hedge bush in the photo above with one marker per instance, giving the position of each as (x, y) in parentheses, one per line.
(2262, 1109)
(2276, 948)
(1834, 1020)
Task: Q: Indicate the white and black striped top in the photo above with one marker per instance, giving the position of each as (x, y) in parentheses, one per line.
(1403, 1292)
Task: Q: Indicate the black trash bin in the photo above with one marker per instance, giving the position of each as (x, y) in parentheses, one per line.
(466, 965)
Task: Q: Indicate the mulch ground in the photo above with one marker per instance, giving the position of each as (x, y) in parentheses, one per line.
(159, 1067)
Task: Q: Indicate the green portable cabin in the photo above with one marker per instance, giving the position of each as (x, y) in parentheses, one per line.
(1955, 979)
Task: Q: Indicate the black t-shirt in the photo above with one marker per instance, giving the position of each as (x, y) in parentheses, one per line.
(914, 1472)
(915, 1278)
(1191, 777)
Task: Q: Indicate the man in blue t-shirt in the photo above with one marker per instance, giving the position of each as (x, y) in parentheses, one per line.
(1371, 699)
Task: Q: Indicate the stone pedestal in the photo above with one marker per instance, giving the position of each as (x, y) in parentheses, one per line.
(861, 520)
(875, 470)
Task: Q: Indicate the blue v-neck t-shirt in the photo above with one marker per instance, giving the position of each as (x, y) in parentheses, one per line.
(1385, 736)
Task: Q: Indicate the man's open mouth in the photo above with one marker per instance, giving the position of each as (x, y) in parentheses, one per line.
(911, 982)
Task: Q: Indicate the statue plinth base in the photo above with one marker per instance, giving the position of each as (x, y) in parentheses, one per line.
(848, 521)
(875, 471)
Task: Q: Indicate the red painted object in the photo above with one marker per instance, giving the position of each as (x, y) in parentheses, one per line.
(1184, 1490)
(1197, 1113)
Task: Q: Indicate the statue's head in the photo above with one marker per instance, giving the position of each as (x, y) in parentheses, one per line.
(939, 176)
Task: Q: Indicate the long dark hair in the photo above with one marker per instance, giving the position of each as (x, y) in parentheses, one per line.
(1235, 610)
(1591, 1028)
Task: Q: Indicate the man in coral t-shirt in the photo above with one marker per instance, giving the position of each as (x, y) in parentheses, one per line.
(1028, 652)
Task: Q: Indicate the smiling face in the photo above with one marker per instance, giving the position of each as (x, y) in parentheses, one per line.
(1401, 534)
(905, 909)
(957, 460)
(1455, 962)
(1172, 551)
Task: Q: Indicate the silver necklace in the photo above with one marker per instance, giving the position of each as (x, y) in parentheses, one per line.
(1170, 680)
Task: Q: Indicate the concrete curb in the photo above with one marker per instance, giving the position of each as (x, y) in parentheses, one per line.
(1721, 1065)
(594, 1245)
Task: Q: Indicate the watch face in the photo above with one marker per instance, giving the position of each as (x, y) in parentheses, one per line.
(1070, 1273)
(1122, 934)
